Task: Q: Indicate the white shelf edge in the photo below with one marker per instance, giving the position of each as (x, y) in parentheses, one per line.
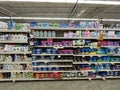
(98, 55)
(52, 54)
(52, 66)
(72, 46)
(102, 29)
(3, 71)
(73, 38)
(7, 30)
(15, 62)
(53, 61)
(107, 70)
(71, 78)
(15, 52)
(93, 62)
(13, 41)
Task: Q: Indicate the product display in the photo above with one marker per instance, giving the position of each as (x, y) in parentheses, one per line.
(15, 61)
(58, 51)
(87, 60)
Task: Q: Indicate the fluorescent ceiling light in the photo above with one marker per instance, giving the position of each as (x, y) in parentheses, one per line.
(48, 18)
(60, 19)
(70, 1)
(55, 1)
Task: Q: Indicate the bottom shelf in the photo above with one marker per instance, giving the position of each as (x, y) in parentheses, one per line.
(59, 79)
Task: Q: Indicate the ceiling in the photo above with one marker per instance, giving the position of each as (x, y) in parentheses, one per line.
(59, 10)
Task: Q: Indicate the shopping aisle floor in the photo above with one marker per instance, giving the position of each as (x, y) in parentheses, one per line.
(62, 85)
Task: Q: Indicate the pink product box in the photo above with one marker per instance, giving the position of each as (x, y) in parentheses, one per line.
(104, 43)
(65, 51)
(109, 43)
(56, 43)
(43, 43)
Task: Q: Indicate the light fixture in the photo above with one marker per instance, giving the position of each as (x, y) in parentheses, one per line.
(47, 18)
(69, 1)
(59, 19)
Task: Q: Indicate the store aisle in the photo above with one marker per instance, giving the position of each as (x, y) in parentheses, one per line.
(62, 85)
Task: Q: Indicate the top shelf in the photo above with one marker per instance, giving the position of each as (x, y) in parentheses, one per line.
(75, 29)
(13, 31)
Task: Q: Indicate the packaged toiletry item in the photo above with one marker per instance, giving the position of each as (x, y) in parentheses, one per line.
(45, 34)
(41, 34)
(53, 34)
(49, 34)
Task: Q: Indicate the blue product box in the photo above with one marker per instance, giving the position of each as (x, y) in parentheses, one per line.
(33, 24)
(64, 25)
(38, 51)
(76, 25)
(11, 24)
(43, 25)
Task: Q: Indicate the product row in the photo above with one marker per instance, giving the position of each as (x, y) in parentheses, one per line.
(73, 75)
(13, 48)
(96, 59)
(14, 37)
(87, 33)
(52, 51)
(98, 67)
(16, 75)
(11, 25)
(94, 51)
(82, 24)
(81, 51)
(51, 42)
(44, 33)
(15, 58)
(47, 67)
(15, 67)
(52, 58)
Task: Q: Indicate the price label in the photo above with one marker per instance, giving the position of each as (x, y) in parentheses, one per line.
(83, 56)
(45, 61)
(90, 79)
(112, 63)
(91, 56)
(104, 78)
(59, 56)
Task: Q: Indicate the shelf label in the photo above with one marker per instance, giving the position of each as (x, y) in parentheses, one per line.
(104, 78)
(59, 56)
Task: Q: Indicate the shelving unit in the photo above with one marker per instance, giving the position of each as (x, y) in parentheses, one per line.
(62, 60)
(14, 63)
(70, 73)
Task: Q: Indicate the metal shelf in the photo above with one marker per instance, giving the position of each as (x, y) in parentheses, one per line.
(97, 55)
(73, 38)
(52, 54)
(13, 31)
(5, 71)
(94, 62)
(13, 42)
(52, 66)
(53, 61)
(76, 29)
(15, 52)
(71, 46)
(15, 62)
